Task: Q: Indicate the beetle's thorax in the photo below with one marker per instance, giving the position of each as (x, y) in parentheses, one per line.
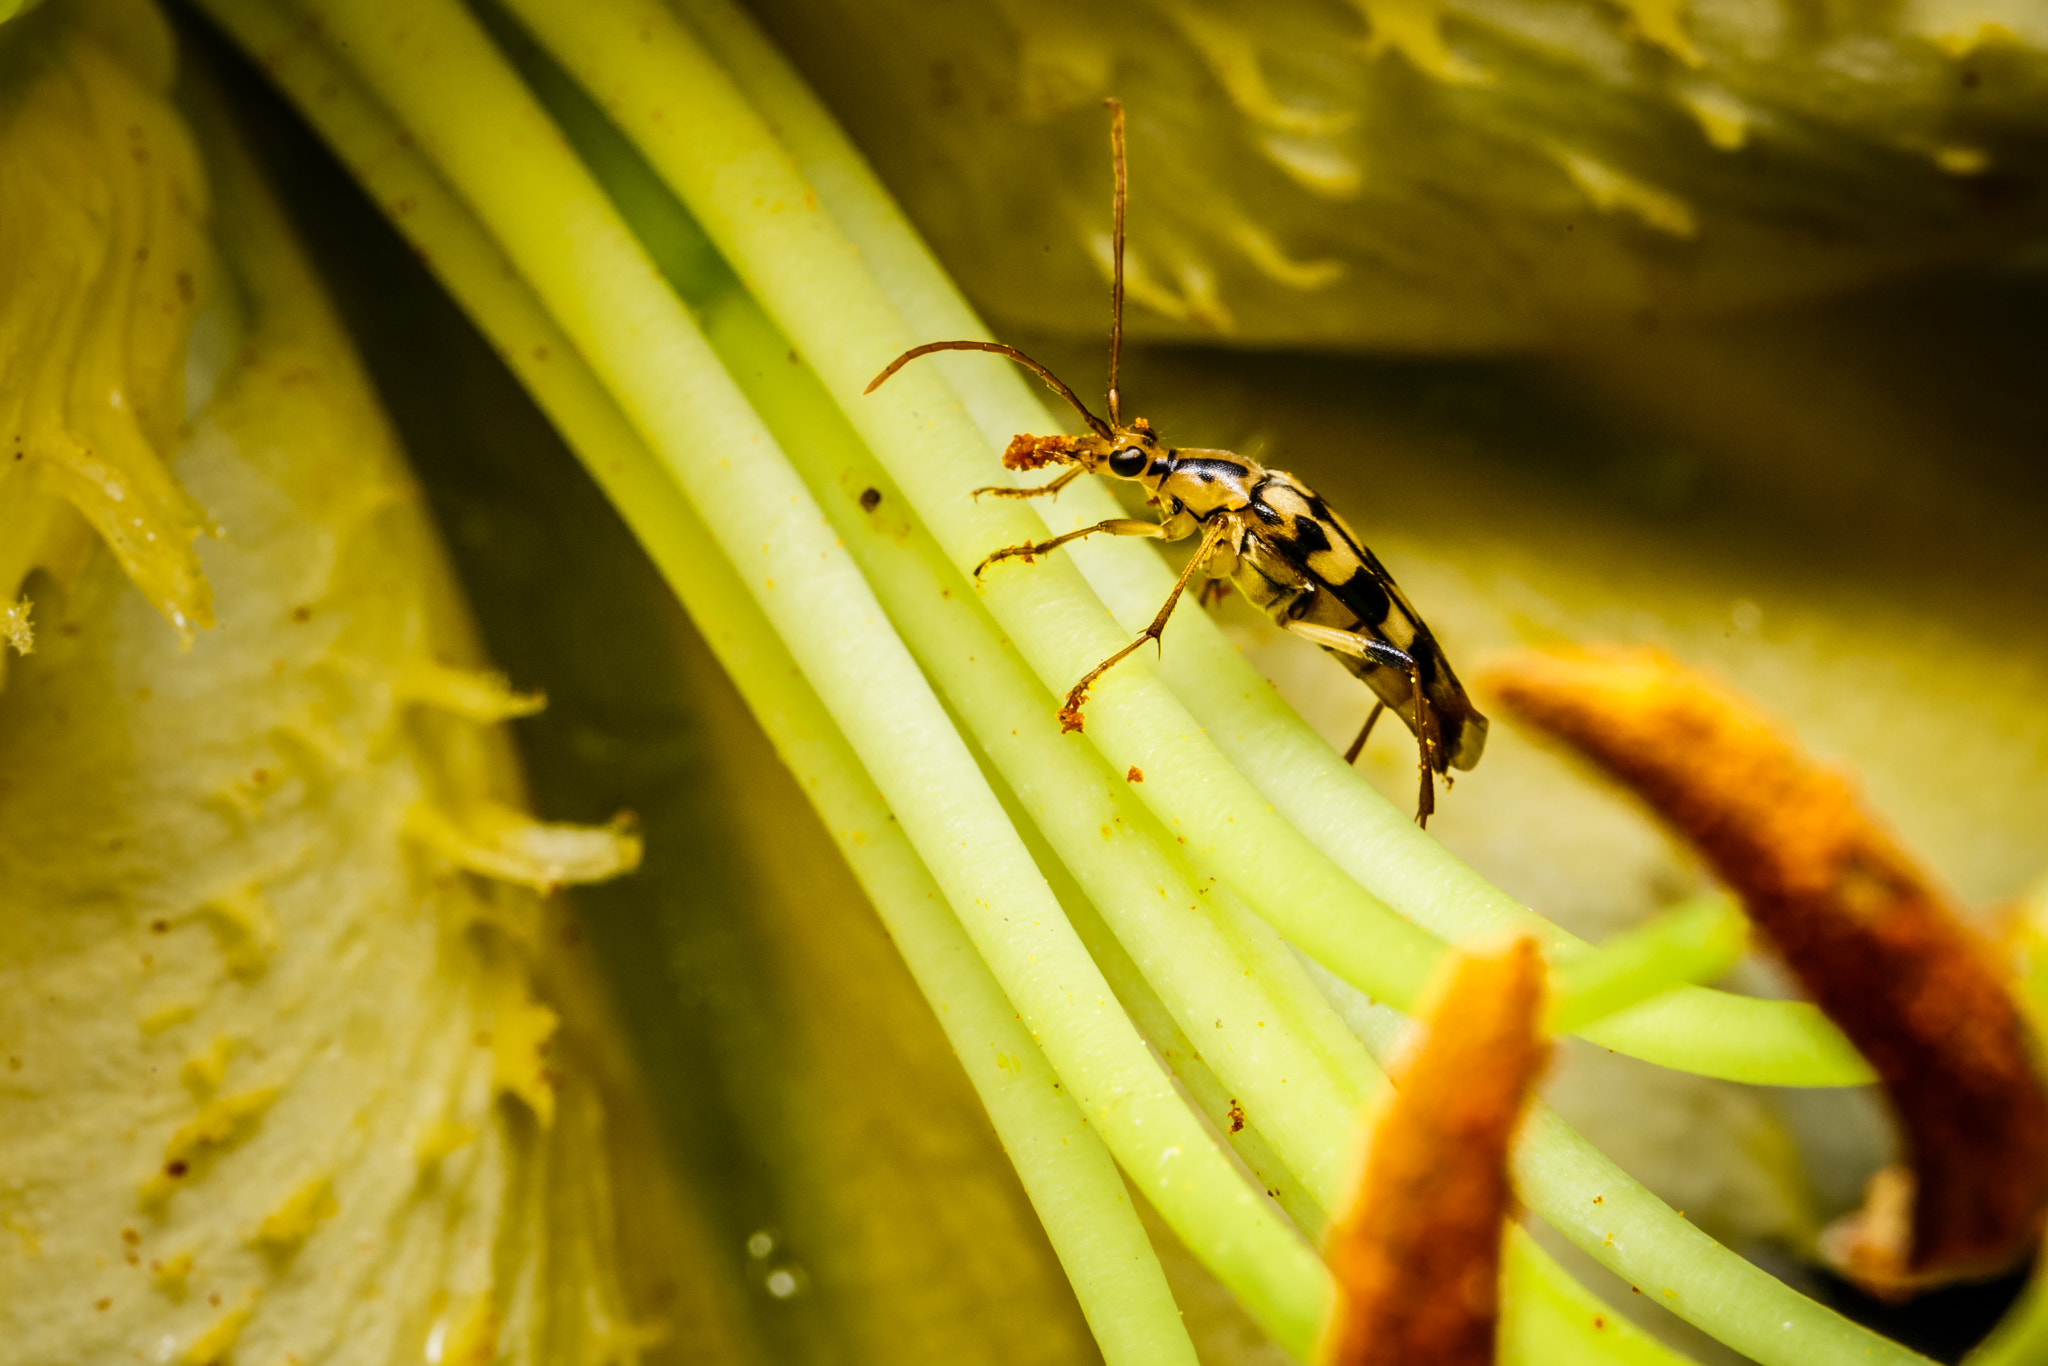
(1200, 480)
(1205, 481)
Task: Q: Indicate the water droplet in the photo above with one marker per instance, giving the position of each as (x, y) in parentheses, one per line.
(783, 1283)
(760, 1244)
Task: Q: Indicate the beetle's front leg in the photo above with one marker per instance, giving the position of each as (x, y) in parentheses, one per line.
(1115, 526)
(1031, 550)
(1032, 491)
(1070, 714)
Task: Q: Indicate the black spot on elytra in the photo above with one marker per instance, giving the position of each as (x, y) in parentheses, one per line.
(1308, 538)
(1364, 594)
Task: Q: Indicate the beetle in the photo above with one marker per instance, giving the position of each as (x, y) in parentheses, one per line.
(1262, 531)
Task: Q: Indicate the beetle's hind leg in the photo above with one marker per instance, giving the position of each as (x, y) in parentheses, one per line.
(1364, 732)
(1353, 644)
(1070, 713)
(1428, 743)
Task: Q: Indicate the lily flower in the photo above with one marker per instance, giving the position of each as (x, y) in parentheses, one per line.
(314, 1063)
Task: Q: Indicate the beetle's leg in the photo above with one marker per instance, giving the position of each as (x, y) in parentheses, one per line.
(1011, 491)
(1212, 591)
(1070, 714)
(1353, 644)
(1115, 526)
(1364, 732)
(1427, 741)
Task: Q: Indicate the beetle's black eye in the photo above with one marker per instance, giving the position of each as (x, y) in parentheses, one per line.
(1127, 463)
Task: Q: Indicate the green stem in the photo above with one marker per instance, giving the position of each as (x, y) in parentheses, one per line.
(1552, 1318)
(1698, 941)
(429, 63)
(1677, 1265)
(1101, 835)
(1712, 1033)
(1211, 1094)
(1065, 1169)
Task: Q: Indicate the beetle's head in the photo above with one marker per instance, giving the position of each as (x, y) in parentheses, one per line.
(1127, 452)
(1130, 452)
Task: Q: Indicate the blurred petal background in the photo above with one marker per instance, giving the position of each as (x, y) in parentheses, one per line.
(1718, 326)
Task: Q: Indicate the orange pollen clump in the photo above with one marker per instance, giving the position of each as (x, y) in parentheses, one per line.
(1417, 1256)
(1036, 452)
(1876, 944)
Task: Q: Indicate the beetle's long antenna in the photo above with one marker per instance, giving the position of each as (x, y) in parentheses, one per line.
(1052, 381)
(1116, 252)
